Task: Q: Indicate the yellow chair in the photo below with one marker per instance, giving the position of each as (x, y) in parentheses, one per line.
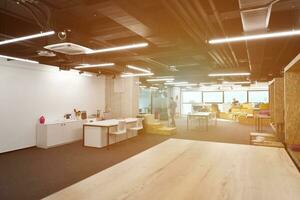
(249, 120)
(264, 106)
(225, 115)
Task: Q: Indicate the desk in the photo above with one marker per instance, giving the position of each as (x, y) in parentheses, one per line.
(186, 169)
(107, 124)
(201, 115)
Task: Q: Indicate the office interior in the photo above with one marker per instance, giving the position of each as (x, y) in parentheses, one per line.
(164, 99)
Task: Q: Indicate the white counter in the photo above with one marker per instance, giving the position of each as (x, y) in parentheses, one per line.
(59, 132)
(96, 133)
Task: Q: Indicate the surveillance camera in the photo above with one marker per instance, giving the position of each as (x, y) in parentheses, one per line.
(62, 35)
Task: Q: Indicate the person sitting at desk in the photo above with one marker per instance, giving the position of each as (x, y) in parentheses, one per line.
(235, 102)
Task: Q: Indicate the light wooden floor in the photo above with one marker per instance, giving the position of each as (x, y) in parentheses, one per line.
(187, 169)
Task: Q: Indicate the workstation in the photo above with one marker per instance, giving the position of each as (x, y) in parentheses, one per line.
(129, 99)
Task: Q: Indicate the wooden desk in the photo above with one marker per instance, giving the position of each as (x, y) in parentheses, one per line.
(105, 124)
(200, 115)
(187, 169)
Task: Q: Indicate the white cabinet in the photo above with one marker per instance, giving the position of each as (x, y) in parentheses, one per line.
(49, 135)
(73, 131)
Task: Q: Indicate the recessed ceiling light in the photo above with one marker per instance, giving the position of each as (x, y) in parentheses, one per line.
(138, 69)
(230, 74)
(254, 37)
(18, 59)
(118, 48)
(94, 65)
(27, 37)
(136, 75)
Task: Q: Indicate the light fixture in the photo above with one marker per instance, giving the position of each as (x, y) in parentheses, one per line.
(254, 37)
(119, 48)
(136, 75)
(230, 74)
(27, 37)
(237, 82)
(160, 79)
(176, 83)
(169, 81)
(153, 88)
(207, 83)
(142, 86)
(86, 74)
(138, 69)
(18, 59)
(187, 84)
(94, 65)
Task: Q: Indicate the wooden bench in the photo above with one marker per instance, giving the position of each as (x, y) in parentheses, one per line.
(265, 135)
(269, 139)
(267, 143)
(166, 131)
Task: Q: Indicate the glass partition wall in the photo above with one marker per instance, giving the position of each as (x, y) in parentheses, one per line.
(154, 101)
(190, 98)
(145, 101)
(223, 99)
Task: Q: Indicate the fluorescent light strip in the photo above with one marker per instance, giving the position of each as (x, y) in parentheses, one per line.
(26, 37)
(135, 75)
(95, 65)
(189, 84)
(86, 74)
(176, 83)
(237, 82)
(255, 37)
(160, 79)
(138, 69)
(18, 59)
(119, 48)
(230, 74)
(153, 88)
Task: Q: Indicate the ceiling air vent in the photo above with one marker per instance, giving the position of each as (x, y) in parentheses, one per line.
(68, 48)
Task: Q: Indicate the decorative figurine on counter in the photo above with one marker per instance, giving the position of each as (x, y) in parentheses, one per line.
(77, 114)
(83, 115)
(42, 120)
(67, 116)
(99, 115)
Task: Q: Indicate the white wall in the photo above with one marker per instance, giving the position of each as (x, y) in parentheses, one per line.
(28, 91)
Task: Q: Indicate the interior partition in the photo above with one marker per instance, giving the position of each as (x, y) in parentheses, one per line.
(292, 105)
(277, 106)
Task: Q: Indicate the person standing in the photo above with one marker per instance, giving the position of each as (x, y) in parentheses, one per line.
(172, 110)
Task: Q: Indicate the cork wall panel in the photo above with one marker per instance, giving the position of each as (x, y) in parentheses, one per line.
(278, 100)
(292, 107)
(271, 100)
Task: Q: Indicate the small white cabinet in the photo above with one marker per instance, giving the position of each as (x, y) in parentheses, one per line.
(54, 134)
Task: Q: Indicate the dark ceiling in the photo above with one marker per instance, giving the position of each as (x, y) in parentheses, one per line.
(177, 32)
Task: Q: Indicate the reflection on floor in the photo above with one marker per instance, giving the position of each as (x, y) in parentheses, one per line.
(35, 173)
